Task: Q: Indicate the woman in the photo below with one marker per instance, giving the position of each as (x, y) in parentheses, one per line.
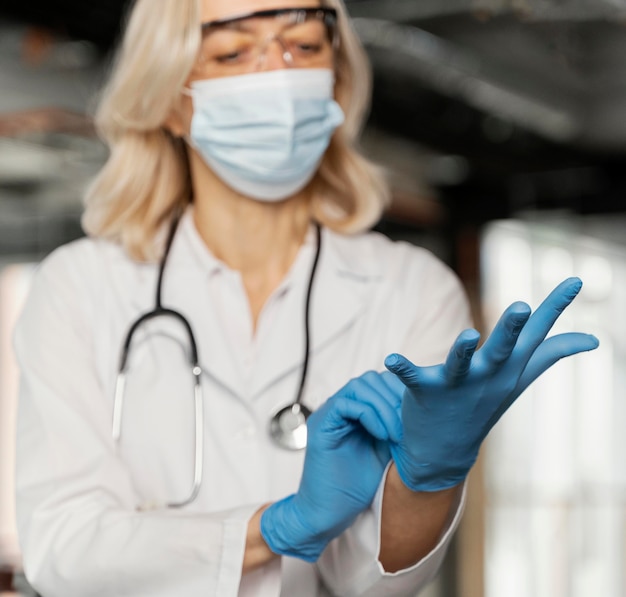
(232, 125)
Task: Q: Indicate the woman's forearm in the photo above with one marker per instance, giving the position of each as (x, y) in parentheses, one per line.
(412, 522)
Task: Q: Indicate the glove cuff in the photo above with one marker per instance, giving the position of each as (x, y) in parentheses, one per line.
(283, 530)
(426, 476)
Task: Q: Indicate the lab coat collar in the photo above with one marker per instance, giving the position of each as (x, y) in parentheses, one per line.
(343, 281)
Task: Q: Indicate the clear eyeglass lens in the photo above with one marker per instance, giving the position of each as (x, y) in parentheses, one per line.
(305, 39)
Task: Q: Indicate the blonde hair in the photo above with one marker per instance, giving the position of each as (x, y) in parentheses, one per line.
(146, 178)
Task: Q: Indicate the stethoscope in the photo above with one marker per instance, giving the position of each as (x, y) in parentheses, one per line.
(287, 427)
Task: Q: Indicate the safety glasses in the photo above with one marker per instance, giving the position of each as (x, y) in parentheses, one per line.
(306, 38)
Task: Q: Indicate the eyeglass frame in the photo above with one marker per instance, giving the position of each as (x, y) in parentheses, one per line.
(329, 20)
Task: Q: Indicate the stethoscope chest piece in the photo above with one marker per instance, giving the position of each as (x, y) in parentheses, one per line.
(288, 426)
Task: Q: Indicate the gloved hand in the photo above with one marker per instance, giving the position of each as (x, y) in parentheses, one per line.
(448, 409)
(346, 456)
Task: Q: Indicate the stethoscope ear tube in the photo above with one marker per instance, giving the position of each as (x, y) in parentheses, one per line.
(158, 312)
(120, 384)
(199, 441)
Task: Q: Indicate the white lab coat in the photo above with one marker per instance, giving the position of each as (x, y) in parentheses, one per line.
(79, 528)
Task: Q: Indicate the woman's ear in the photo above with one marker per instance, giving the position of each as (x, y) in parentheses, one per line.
(178, 121)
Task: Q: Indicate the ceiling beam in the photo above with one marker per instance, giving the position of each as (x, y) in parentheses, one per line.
(456, 73)
(406, 11)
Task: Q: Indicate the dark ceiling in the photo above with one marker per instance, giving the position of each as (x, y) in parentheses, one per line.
(97, 21)
(509, 92)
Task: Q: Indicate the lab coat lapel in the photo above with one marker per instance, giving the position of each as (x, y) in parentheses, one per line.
(192, 298)
(342, 283)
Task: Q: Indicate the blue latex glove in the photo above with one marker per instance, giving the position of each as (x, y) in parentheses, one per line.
(448, 409)
(346, 456)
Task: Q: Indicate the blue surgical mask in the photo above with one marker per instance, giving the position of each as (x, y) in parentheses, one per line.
(264, 134)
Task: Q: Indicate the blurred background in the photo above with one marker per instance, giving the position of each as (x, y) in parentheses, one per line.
(502, 124)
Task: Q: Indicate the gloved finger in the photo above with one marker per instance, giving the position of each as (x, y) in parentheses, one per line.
(386, 379)
(392, 382)
(387, 385)
(460, 356)
(382, 449)
(407, 372)
(545, 316)
(501, 342)
(395, 389)
(547, 354)
(552, 350)
(383, 391)
(346, 412)
(372, 389)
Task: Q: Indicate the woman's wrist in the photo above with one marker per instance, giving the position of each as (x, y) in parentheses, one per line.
(257, 552)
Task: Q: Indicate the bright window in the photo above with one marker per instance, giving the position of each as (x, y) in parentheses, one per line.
(555, 465)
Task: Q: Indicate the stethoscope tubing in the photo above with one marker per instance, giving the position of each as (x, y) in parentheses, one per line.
(196, 370)
(307, 316)
(285, 438)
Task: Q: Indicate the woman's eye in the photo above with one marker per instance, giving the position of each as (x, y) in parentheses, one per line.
(230, 57)
(309, 48)
(305, 48)
(224, 47)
